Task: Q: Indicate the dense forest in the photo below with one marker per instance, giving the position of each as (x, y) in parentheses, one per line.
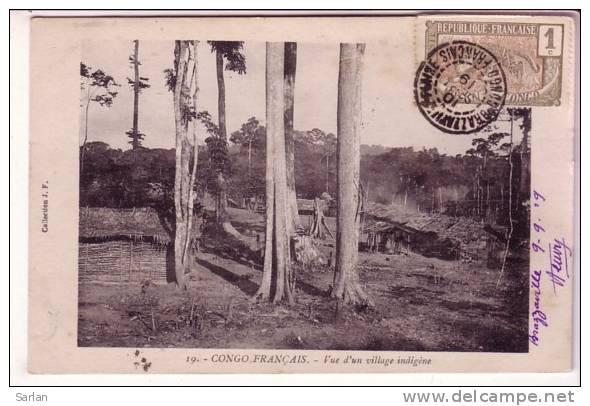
(473, 184)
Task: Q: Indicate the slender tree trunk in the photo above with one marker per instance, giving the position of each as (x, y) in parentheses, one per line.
(289, 87)
(221, 212)
(180, 63)
(510, 198)
(347, 286)
(135, 134)
(221, 201)
(194, 89)
(185, 65)
(278, 280)
(220, 94)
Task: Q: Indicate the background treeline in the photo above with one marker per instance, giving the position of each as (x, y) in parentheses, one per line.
(474, 184)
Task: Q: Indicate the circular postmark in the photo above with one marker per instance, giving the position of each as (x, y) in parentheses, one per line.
(460, 88)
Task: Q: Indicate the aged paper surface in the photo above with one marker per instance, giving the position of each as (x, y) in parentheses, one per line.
(446, 142)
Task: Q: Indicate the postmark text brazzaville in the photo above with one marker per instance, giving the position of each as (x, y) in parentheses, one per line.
(460, 88)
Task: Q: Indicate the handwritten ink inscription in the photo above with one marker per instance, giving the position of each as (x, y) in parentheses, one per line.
(538, 316)
(557, 251)
(558, 271)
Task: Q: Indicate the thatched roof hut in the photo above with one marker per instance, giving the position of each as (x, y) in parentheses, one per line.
(464, 232)
(372, 226)
(101, 223)
(460, 228)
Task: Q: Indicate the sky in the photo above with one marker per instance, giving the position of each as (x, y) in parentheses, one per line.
(390, 117)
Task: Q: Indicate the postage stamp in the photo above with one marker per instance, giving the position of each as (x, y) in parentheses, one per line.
(460, 88)
(531, 55)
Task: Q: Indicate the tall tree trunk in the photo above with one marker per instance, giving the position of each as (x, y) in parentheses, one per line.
(194, 89)
(221, 206)
(184, 90)
(289, 76)
(180, 227)
(220, 94)
(510, 202)
(278, 280)
(347, 286)
(135, 135)
(264, 291)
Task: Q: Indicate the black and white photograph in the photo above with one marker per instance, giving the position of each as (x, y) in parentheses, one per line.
(267, 195)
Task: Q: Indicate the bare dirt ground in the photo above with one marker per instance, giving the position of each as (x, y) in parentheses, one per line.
(421, 303)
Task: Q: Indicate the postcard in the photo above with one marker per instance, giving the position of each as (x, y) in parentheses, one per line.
(292, 195)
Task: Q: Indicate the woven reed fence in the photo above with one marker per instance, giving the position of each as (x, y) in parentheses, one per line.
(121, 261)
(125, 244)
